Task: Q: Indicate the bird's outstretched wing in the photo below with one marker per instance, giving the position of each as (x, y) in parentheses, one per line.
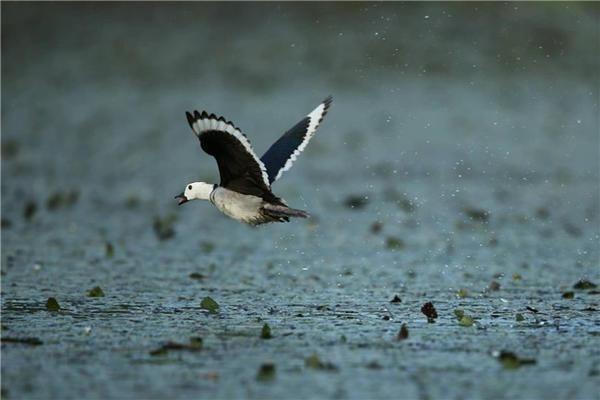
(239, 167)
(282, 154)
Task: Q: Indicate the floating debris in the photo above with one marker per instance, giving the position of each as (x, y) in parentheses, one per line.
(29, 210)
(52, 304)
(396, 299)
(462, 293)
(163, 227)
(356, 202)
(568, 295)
(315, 362)
(32, 341)
(517, 277)
(533, 310)
(87, 330)
(109, 250)
(394, 243)
(195, 344)
(265, 333)
(494, 286)
(96, 291)
(466, 321)
(510, 360)
(210, 305)
(197, 276)
(266, 372)
(477, 214)
(403, 333)
(430, 312)
(584, 284)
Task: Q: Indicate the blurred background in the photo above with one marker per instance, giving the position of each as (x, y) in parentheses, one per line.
(462, 148)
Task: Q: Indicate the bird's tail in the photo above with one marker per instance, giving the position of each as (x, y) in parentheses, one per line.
(277, 211)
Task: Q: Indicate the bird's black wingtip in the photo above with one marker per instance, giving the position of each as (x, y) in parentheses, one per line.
(190, 118)
(328, 100)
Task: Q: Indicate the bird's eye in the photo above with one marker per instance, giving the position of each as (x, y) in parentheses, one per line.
(189, 187)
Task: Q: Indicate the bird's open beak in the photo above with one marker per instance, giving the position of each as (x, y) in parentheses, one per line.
(181, 199)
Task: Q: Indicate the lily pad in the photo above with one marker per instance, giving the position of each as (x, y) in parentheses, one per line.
(265, 333)
(459, 314)
(519, 317)
(584, 284)
(510, 360)
(210, 305)
(396, 299)
(109, 250)
(403, 333)
(96, 292)
(466, 321)
(266, 372)
(315, 362)
(394, 243)
(52, 304)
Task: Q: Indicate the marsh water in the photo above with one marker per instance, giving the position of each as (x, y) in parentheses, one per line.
(458, 165)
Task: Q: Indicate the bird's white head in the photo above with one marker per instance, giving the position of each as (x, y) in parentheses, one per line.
(195, 191)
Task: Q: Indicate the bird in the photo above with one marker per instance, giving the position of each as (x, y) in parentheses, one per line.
(244, 192)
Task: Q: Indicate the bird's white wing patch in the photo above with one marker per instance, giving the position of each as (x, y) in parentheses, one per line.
(315, 118)
(201, 123)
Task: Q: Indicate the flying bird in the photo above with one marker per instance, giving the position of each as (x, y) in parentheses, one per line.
(244, 192)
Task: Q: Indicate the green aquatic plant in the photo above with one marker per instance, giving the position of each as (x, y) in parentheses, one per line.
(210, 305)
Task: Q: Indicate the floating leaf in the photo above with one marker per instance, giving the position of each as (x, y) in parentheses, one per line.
(459, 314)
(466, 321)
(403, 333)
(494, 286)
(266, 372)
(265, 333)
(210, 305)
(52, 304)
(163, 227)
(396, 299)
(568, 295)
(517, 277)
(29, 210)
(510, 360)
(519, 317)
(430, 312)
(32, 341)
(315, 362)
(376, 227)
(462, 293)
(477, 214)
(356, 202)
(195, 344)
(109, 250)
(584, 284)
(198, 276)
(96, 292)
(394, 243)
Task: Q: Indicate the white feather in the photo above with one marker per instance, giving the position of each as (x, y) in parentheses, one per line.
(315, 118)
